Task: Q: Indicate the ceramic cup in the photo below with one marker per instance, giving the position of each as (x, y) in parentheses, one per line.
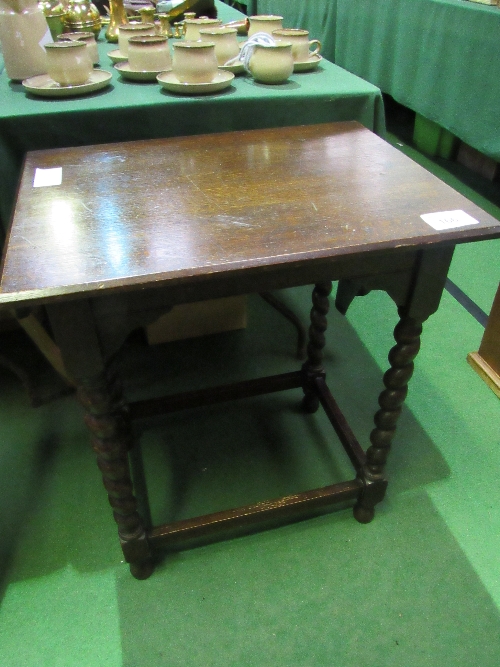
(264, 23)
(226, 44)
(301, 44)
(192, 27)
(125, 32)
(88, 38)
(68, 63)
(194, 62)
(271, 64)
(149, 53)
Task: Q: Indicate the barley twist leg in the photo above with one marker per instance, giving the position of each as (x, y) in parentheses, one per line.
(313, 367)
(407, 335)
(106, 418)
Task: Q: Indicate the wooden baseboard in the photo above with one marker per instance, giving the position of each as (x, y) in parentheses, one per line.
(485, 371)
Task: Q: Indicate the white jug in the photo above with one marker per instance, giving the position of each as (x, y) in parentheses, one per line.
(23, 33)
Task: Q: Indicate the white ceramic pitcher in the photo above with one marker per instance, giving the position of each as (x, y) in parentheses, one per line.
(23, 34)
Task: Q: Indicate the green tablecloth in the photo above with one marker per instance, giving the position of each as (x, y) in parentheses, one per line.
(440, 58)
(129, 110)
(317, 16)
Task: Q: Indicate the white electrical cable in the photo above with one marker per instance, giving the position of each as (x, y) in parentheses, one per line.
(246, 52)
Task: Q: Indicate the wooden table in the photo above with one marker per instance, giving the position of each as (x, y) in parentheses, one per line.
(136, 227)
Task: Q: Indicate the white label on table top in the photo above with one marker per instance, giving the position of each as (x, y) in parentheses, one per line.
(45, 177)
(448, 219)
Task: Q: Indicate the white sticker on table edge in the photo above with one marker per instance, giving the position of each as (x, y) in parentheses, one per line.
(448, 219)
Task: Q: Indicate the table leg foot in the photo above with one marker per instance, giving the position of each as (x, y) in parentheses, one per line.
(373, 493)
(310, 404)
(142, 570)
(314, 364)
(363, 514)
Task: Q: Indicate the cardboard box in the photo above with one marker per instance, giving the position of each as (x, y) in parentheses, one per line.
(191, 320)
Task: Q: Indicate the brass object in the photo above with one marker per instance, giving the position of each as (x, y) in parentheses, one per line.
(165, 27)
(184, 10)
(50, 7)
(82, 15)
(117, 17)
(147, 14)
(178, 30)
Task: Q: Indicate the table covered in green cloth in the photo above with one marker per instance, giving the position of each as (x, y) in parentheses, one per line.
(132, 110)
(440, 58)
(317, 16)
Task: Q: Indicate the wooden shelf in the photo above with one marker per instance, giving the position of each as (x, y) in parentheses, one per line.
(486, 361)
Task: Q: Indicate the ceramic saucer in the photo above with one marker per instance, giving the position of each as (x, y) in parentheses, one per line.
(137, 75)
(307, 65)
(117, 56)
(45, 86)
(237, 68)
(170, 82)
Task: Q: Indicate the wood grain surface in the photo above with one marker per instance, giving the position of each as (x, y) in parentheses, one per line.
(147, 212)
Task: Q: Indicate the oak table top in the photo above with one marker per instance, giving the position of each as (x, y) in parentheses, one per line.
(133, 214)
